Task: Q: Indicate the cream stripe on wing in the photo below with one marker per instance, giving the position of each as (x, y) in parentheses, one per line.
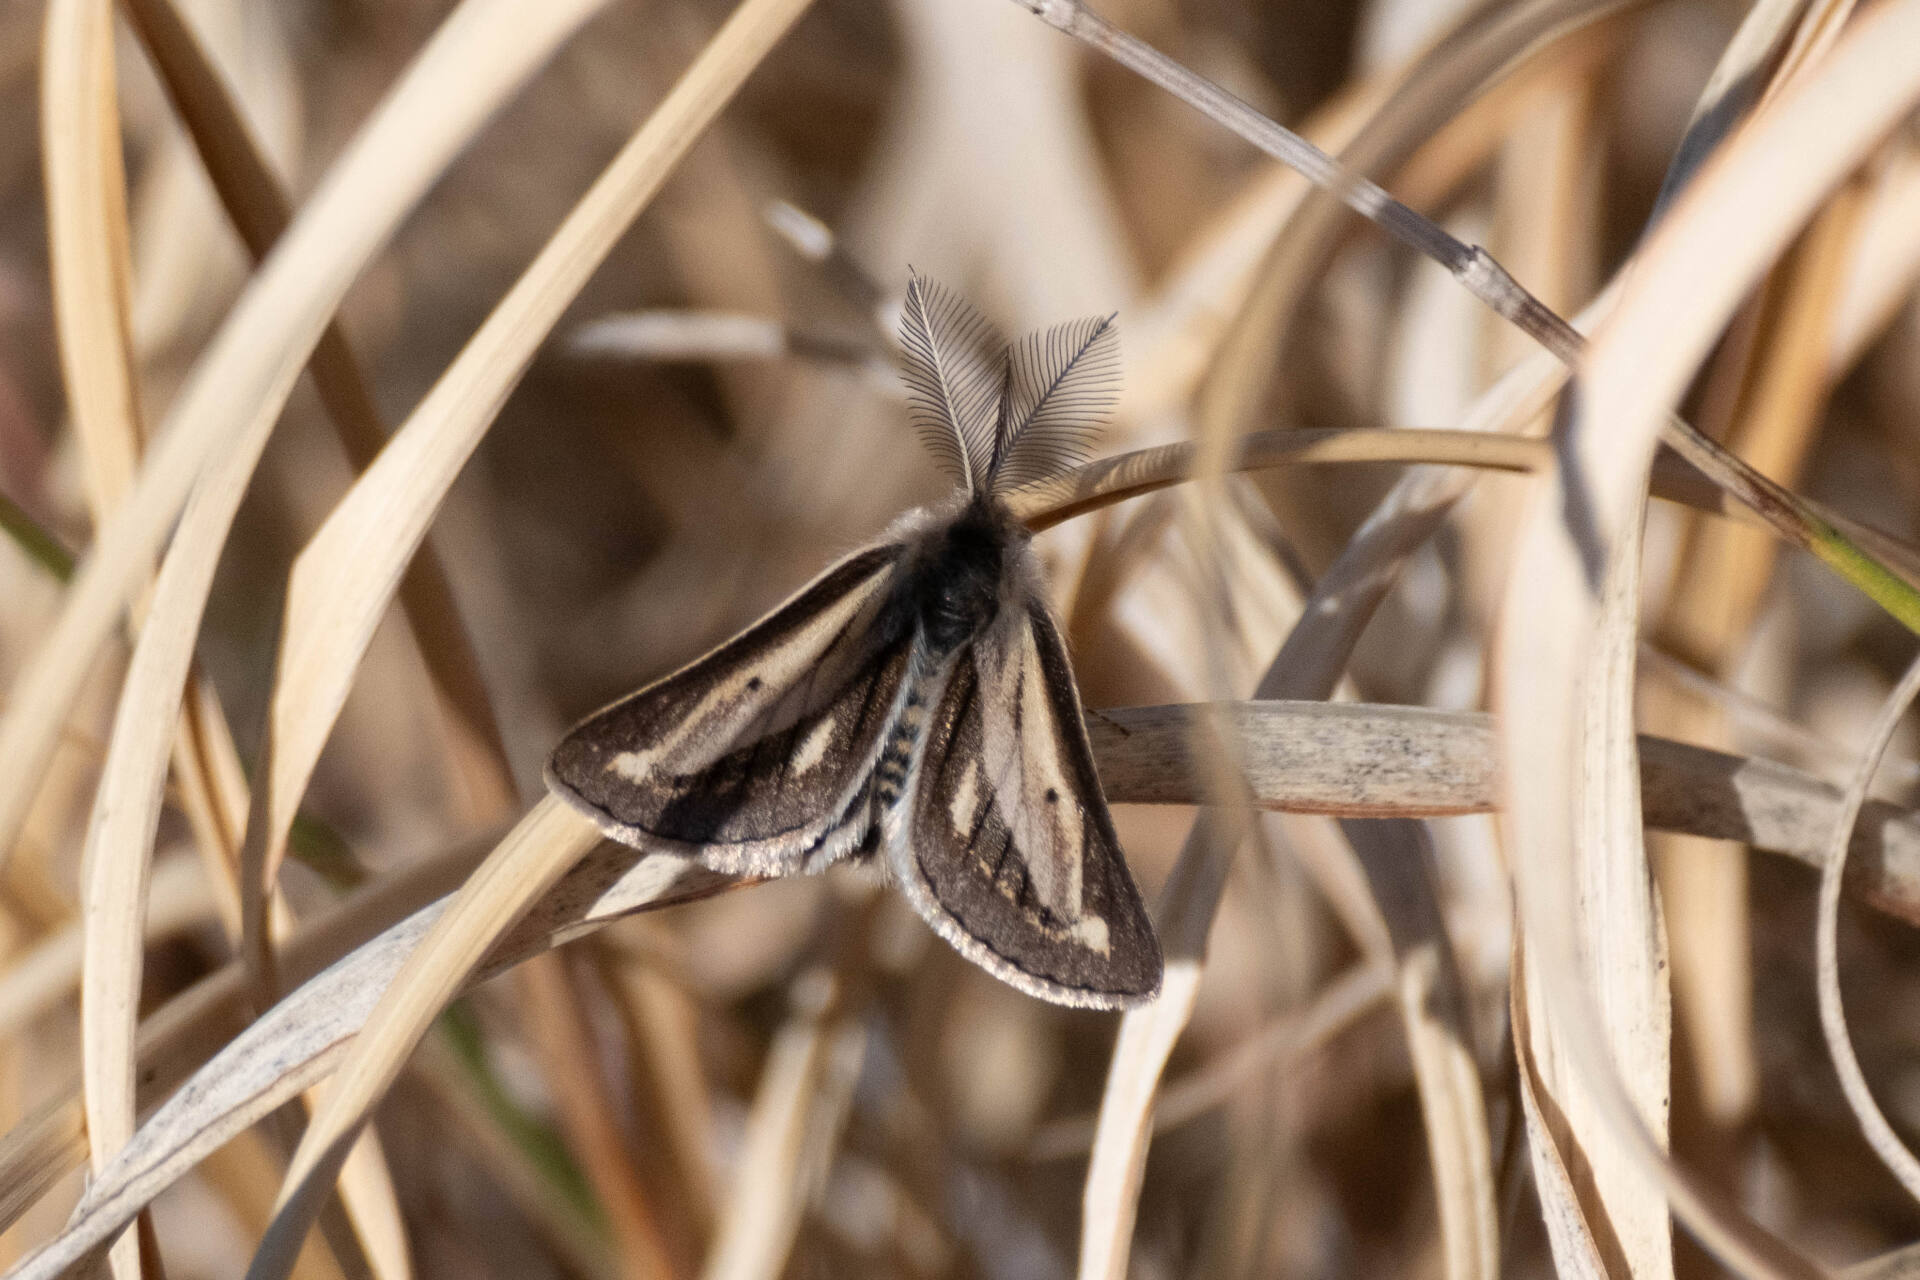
(1025, 760)
(714, 726)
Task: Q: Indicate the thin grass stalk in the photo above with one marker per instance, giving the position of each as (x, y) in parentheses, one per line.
(86, 201)
(1610, 1201)
(1880, 1135)
(1748, 68)
(1625, 1212)
(1886, 258)
(1130, 475)
(1773, 415)
(1432, 1000)
(471, 392)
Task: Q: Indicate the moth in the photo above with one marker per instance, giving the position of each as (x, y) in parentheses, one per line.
(913, 705)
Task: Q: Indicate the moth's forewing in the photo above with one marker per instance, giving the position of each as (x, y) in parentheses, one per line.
(1028, 885)
(755, 758)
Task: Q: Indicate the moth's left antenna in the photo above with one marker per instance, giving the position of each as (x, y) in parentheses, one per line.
(954, 364)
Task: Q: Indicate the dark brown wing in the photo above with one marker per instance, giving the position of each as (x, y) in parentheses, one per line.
(1006, 845)
(755, 758)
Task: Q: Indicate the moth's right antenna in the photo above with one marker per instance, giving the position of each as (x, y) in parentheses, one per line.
(1062, 385)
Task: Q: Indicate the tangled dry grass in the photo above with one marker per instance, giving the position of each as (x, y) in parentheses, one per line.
(1503, 752)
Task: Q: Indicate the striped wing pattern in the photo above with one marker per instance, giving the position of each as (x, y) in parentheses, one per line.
(1006, 845)
(756, 758)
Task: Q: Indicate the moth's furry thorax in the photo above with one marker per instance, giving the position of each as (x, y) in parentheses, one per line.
(955, 582)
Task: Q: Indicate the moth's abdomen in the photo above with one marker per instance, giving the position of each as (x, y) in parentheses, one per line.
(896, 757)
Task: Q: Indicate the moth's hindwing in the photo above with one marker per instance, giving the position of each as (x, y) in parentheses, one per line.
(755, 759)
(1006, 845)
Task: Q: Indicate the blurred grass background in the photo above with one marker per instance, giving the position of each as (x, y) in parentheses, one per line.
(625, 513)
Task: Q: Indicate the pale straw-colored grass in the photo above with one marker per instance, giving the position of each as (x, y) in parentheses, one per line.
(1694, 269)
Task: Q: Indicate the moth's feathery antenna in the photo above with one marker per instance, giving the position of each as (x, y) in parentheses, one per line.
(1062, 385)
(1000, 430)
(955, 367)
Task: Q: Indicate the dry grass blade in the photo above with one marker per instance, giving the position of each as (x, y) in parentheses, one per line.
(1124, 1126)
(87, 240)
(1880, 1135)
(88, 228)
(87, 218)
(260, 210)
(1393, 856)
(1802, 523)
(1625, 1212)
(1716, 241)
(235, 392)
(1606, 1210)
(1744, 72)
(126, 811)
(1397, 858)
(1684, 788)
(805, 1089)
(87, 214)
(1309, 665)
(542, 848)
(345, 576)
(1886, 258)
(1812, 37)
(1183, 918)
(1580, 1248)
(1354, 760)
(396, 909)
(40, 1150)
(1129, 475)
(1362, 1061)
(128, 804)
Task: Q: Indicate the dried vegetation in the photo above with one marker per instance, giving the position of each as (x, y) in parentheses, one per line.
(593, 304)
